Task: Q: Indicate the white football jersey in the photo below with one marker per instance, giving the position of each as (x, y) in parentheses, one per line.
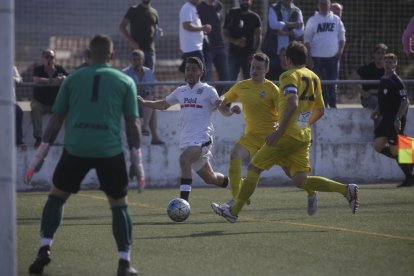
(197, 104)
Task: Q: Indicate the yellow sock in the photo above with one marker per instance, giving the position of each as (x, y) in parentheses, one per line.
(235, 172)
(322, 184)
(246, 190)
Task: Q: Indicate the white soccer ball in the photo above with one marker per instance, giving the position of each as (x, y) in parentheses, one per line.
(178, 209)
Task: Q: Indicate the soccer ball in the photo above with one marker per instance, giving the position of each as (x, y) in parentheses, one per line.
(178, 209)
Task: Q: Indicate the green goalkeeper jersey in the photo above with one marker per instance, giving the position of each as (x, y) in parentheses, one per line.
(94, 100)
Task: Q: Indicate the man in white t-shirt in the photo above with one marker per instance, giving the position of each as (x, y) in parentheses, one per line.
(197, 101)
(325, 39)
(191, 32)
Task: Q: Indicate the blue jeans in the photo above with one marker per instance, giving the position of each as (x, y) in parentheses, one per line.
(235, 64)
(274, 68)
(149, 60)
(327, 69)
(218, 57)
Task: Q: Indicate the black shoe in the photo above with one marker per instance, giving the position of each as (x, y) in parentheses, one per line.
(42, 260)
(409, 182)
(125, 268)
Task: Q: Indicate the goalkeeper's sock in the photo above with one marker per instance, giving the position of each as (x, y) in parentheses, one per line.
(185, 188)
(246, 190)
(235, 172)
(322, 184)
(51, 216)
(122, 228)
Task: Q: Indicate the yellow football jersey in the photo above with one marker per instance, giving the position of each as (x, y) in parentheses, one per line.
(259, 102)
(307, 86)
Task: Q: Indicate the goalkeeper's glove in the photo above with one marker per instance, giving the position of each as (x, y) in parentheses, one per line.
(137, 169)
(37, 162)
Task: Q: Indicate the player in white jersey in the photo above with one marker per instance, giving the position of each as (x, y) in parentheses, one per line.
(197, 101)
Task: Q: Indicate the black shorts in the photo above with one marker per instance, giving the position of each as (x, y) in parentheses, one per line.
(386, 128)
(111, 172)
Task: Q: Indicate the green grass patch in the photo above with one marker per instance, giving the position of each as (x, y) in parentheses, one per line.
(274, 235)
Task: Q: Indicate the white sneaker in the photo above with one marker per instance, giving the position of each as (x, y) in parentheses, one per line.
(313, 204)
(224, 211)
(353, 197)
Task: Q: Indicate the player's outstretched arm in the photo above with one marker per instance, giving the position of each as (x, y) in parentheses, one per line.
(159, 104)
(317, 113)
(51, 132)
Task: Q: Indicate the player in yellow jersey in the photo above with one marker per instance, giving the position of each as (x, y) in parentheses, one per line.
(258, 97)
(300, 106)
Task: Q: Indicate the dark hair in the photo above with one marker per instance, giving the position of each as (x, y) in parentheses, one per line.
(101, 46)
(195, 60)
(380, 46)
(297, 52)
(391, 56)
(261, 57)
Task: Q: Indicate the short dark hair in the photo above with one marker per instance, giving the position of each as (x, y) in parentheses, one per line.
(391, 56)
(195, 60)
(297, 52)
(101, 46)
(380, 46)
(261, 57)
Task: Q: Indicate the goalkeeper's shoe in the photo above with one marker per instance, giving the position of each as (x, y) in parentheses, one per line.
(42, 260)
(353, 197)
(224, 211)
(125, 268)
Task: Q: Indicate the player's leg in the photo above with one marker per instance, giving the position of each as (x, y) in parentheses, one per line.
(113, 179)
(188, 156)
(211, 177)
(67, 177)
(238, 154)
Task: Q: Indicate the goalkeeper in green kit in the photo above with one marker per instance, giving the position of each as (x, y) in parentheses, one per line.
(91, 102)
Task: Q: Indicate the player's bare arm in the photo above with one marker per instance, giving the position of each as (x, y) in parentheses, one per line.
(317, 113)
(159, 104)
(291, 107)
(133, 132)
(53, 127)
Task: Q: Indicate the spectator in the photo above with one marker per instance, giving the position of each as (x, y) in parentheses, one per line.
(325, 40)
(143, 29)
(211, 13)
(392, 106)
(198, 101)
(337, 9)
(371, 71)
(19, 112)
(285, 23)
(192, 32)
(408, 39)
(47, 78)
(243, 30)
(92, 141)
(139, 73)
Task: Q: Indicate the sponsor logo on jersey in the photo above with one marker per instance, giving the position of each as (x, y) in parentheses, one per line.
(200, 90)
(262, 94)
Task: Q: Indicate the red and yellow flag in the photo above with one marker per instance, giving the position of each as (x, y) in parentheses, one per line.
(405, 150)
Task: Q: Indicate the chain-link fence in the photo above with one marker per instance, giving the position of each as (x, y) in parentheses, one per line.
(67, 26)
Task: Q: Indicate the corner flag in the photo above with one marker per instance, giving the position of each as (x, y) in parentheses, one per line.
(405, 150)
